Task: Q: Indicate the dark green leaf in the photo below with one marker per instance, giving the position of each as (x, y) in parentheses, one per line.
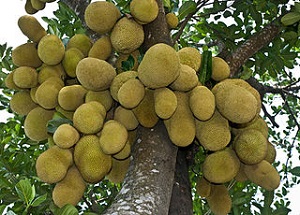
(39, 200)
(24, 191)
(67, 210)
(186, 8)
(53, 124)
(296, 171)
(281, 211)
(290, 18)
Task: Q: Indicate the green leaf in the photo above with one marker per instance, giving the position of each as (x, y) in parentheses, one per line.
(39, 200)
(53, 124)
(290, 18)
(2, 208)
(167, 3)
(281, 211)
(297, 7)
(186, 8)
(296, 171)
(67, 210)
(24, 191)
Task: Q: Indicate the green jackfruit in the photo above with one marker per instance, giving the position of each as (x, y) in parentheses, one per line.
(25, 77)
(190, 56)
(31, 28)
(50, 71)
(186, 80)
(81, 42)
(26, 55)
(126, 117)
(219, 200)
(118, 170)
(172, 20)
(165, 102)
(21, 103)
(71, 97)
(65, 136)
(144, 11)
(71, 58)
(101, 49)
(220, 69)
(28, 7)
(271, 153)
(38, 5)
(203, 187)
(103, 97)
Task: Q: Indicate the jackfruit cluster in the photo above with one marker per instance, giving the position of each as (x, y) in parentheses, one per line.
(33, 6)
(105, 103)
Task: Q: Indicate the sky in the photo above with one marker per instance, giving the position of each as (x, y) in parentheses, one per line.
(11, 10)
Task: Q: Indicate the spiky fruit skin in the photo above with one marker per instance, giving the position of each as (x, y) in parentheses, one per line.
(165, 102)
(181, 125)
(220, 69)
(219, 200)
(25, 77)
(71, 58)
(71, 97)
(113, 137)
(271, 153)
(118, 170)
(69, 190)
(52, 165)
(95, 74)
(28, 7)
(186, 80)
(126, 117)
(46, 72)
(101, 16)
(21, 103)
(127, 36)
(26, 55)
(31, 28)
(164, 71)
(213, 134)
(81, 42)
(124, 153)
(144, 11)
(65, 136)
(35, 124)
(103, 97)
(101, 49)
(190, 56)
(203, 187)
(172, 20)
(9, 82)
(51, 50)
(92, 163)
(38, 5)
(221, 166)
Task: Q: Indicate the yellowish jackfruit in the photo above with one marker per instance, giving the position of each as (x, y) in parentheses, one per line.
(71, 58)
(186, 80)
(25, 77)
(52, 165)
(50, 71)
(118, 170)
(271, 153)
(172, 20)
(126, 117)
(144, 11)
(101, 16)
(165, 102)
(81, 42)
(181, 125)
(221, 166)
(26, 55)
(65, 136)
(35, 124)
(131, 93)
(21, 103)
(103, 97)
(145, 111)
(190, 56)
(124, 153)
(241, 175)
(119, 80)
(95, 74)
(92, 163)
(219, 200)
(203, 187)
(88, 118)
(32, 93)
(263, 174)
(159, 67)
(127, 36)
(31, 28)
(101, 49)
(71, 97)
(220, 69)
(69, 190)
(113, 137)
(213, 134)
(51, 49)
(202, 103)
(9, 82)
(46, 94)
(250, 146)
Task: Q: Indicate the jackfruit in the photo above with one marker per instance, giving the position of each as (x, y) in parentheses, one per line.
(88, 118)
(113, 137)
(25, 77)
(101, 49)
(127, 62)
(51, 49)
(145, 111)
(71, 58)
(92, 163)
(159, 67)
(26, 55)
(127, 36)
(69, 190)
(95, 74)
(126, 117)
(50, 71)
(46, 94)
(190, 56)
(181, 125)
(32, 93)
(124, 153)
(101, 16)
(271, 153)
(241, 175)
(186, 80)
(119, 80)
(235, 103)
(81, 42)
(103, 97)
(221, 166)
(131, 93)
(165, 102)
(38, 5)
(31, 28)
(263, 174)
(9, 82)
(67, 114)
(52, 165)
(21, 103)
(202, 103)
(144, 11)
(28, 7)
(203, 187)
(118, 170)
(71, 97)
(219, 200)
(220, 69)
(250, 146)
(65, 136)
(172, 20)
(213, 134)
(35, 124)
